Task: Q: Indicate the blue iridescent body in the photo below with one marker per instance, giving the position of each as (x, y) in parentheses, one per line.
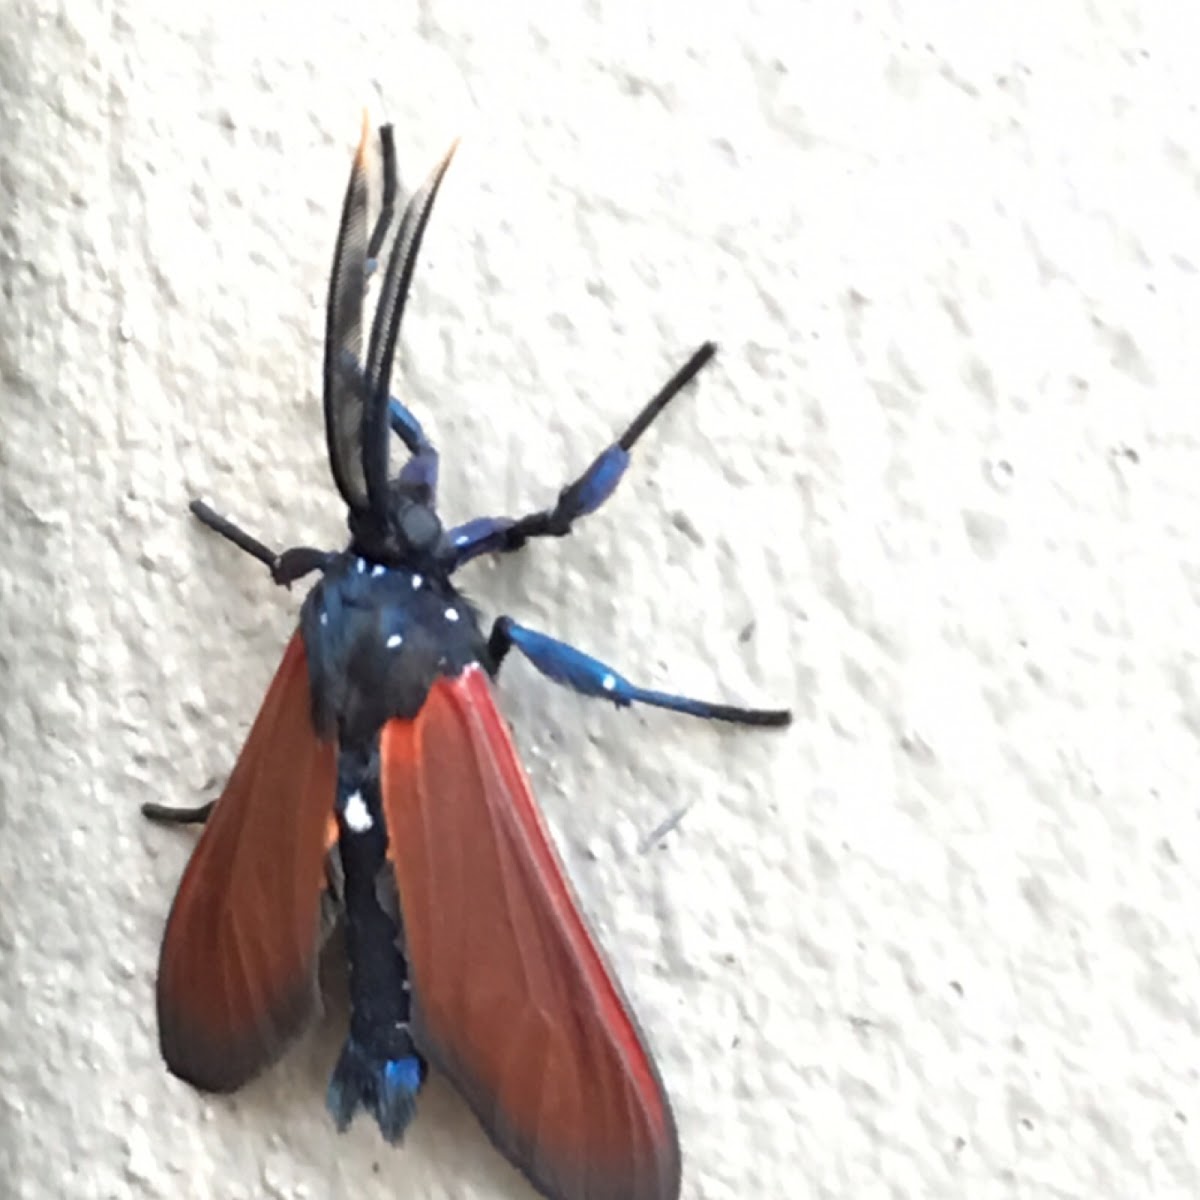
(375, 638)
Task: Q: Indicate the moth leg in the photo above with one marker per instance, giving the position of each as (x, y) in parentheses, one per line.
(164, 814)
(408, 429)
(501, 535)
(421, 470)
(590, 677)
(285, 568)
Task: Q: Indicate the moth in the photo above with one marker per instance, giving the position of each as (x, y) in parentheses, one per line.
(379, 774)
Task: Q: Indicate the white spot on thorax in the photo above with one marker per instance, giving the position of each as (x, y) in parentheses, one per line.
(451, 614)
(358, 820)
(609, 682)
(394, 641)
(377, 570)
(362, 565)
(416, 582)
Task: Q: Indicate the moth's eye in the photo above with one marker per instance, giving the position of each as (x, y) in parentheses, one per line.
(420, 527)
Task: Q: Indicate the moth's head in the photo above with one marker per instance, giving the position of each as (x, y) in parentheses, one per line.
(407, 532)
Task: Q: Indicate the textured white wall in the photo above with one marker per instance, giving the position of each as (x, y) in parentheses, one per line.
(935, 941)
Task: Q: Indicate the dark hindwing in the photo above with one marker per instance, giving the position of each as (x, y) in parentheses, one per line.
(512, 999)
(237, 973)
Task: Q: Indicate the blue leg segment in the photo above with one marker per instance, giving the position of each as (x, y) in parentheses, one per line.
(422, 468)
(404, 424)
(407, 428)
(501, 535)
(590, 677)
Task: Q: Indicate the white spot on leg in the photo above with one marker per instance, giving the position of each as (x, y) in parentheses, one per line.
(462, 539)
(609, 682)
(394, 641)
(451, 614)
(358, 820)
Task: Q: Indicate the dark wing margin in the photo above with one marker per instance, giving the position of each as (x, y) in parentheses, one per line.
(237, 975)
(345, 393)
(512, 999)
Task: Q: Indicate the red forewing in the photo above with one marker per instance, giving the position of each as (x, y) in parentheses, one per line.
(511, 997)
(237, 974)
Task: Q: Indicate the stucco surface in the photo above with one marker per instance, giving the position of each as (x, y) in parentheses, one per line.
(941, 494)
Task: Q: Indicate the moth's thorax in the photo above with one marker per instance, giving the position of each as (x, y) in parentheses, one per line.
(377, 637)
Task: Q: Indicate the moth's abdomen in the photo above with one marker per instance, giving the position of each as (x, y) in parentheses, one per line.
(379, 1068)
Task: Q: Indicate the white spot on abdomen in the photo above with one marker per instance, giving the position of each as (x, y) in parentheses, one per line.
(451, 614)
(358, 820)
(416, 582)
(394, 641)
(377, 570)
(609, 682)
